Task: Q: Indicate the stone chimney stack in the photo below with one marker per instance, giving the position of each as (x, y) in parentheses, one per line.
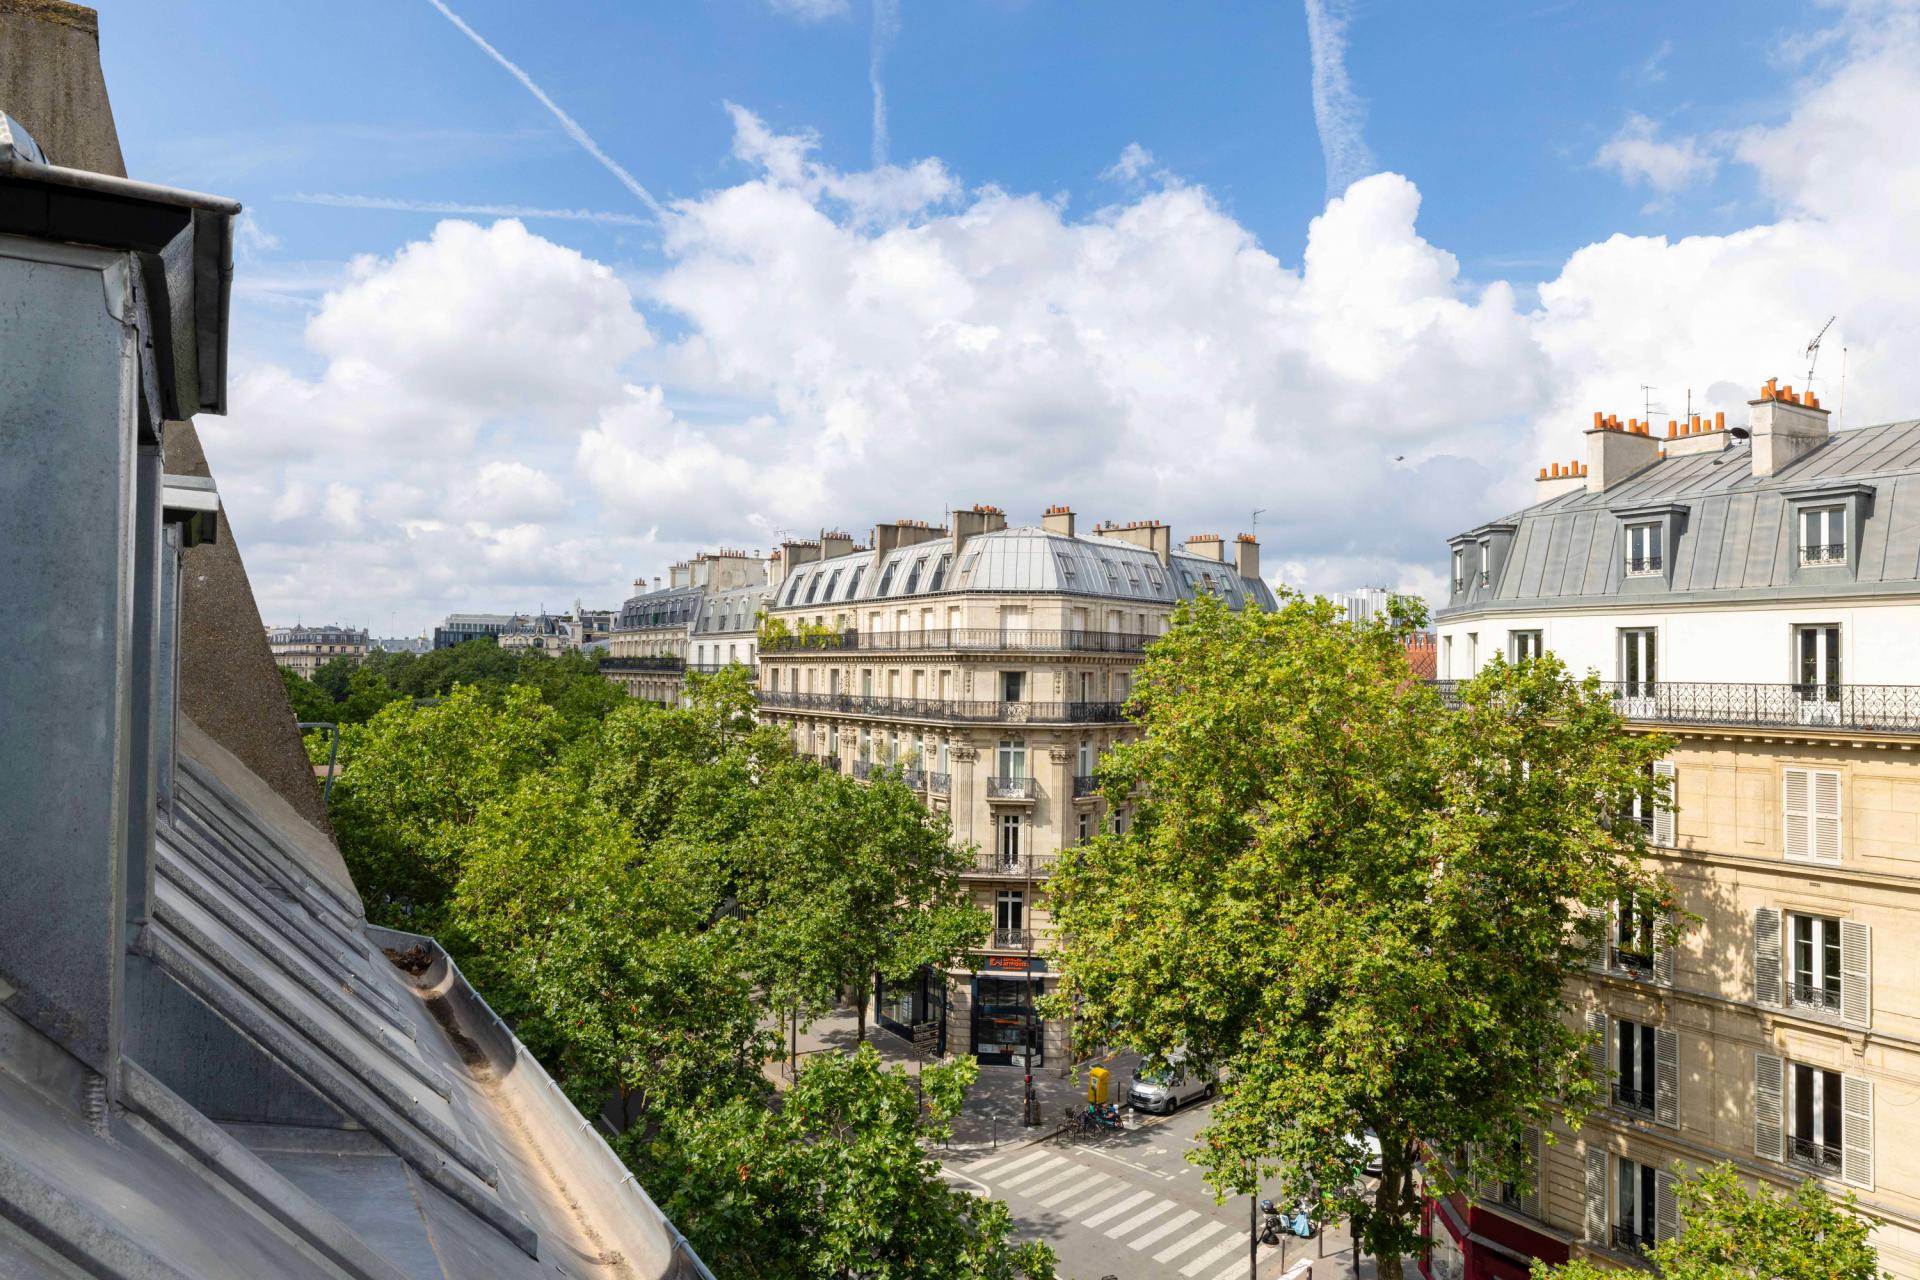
(1151, 534)
(1697, 436)
(1615, 452)
(795, 554)
(1785, 426)
(977, 519)
(1246, 557)
(1559, 478)
(1058, 520)
(903, 533)
(834, 543)
(1208, 546)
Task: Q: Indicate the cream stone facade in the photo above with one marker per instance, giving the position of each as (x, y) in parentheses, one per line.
(703, 618)
(1753, 595)
(304, 650)
(990, 665)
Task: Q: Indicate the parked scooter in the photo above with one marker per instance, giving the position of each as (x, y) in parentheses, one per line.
(1274, 1222)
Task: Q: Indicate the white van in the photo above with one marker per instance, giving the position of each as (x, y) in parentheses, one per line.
(1170, 1088)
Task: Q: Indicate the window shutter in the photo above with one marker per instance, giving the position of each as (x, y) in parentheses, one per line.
(1666, 1077)
(1856, 973)
(1856, 1132)
(1794, 812)
(1596, 1215)
(1666, 1207)
(1602, 1072)
(1766, 956)
(1663, 816)
(1596, 928)
(1663, 950)
(1826, 815)
(1536, 1170)
(1769, 1106)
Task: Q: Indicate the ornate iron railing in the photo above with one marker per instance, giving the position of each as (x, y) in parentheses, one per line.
(1628, 1098)
(1012, 939)
(1889, 708)
(1628, 1240)
(862, 770)
(1012, 789)
(1806, 995)
(1638, 962)
(945, 708)
(1085, 784)
(1824, 553)
(1643, 564)
(660, 663)
(993, 639)
(1821, 1157)
(939, 784)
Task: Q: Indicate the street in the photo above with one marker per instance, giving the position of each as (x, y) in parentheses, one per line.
(1128, 1205)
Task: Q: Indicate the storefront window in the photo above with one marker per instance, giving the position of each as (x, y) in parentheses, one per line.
(1006, 1027)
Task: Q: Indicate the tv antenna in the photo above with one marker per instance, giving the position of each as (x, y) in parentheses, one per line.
(1254, 531)
(1647, 405)
(1813, 349)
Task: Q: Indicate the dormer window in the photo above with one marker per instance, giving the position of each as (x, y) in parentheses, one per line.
(886, 579)
(913, 576)
(939, 574)
(1643, 550)
(1459, 569)
(1486, 561)
(1823, 535)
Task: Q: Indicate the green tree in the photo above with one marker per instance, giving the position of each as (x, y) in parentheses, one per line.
(1364, 906)
(310, 702)
(837, 1181)
(333, 676)
(1732, 1232)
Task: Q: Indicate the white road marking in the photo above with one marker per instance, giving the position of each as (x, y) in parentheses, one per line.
(1140, 1220)
(1044, 1167)
(1041, 1154)
(1164, 1230)
(1237, 1270)
(1213, 1255)
(1179, 1247)
(974, 1187)
(1117, 1208)
(1072, 1170)
(1086, 1201)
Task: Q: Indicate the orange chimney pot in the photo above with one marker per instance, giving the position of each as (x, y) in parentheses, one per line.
(1673, 428)
(1719, 420)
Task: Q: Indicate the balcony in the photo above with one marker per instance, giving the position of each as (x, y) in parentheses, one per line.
(862, 770)
(1012, 789)
(1627, 1240)
(658, 662)
(1013, 939)
(939, 784)
(1032, 866)
(1822, 1158)
(1638, 964)
(944, 709)
(1884, 708)
(1642, 565)
(1824, 553)
(1085, 785)
(1627, 1098)
(914, 778)
(1821, 1001)
(964, 639)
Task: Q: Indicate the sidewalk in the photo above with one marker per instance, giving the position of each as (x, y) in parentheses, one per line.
(993, 1115)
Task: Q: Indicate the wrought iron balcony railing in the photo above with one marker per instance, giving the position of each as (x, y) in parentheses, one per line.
(1634, 962)
(1628, 1098)
(1824, 553)
(914, 778)
(1821, 1157)
(1085, 784)
(991, 862)
(939, 784)
(660, 663)
(862, 770)
(1012, 789)
(1818, 998)
(1627, 1240)
(1012, 939)
(991, 639)
(948, 709)
(1886, 708)
(1643, 564)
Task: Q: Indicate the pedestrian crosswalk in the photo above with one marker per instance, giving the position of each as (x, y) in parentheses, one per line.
(1042, 1182)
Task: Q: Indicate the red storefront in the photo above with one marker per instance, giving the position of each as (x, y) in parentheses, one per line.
(1473, 1242)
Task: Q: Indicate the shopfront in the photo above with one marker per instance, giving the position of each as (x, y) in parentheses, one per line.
(1477, 1242)
(915, 1010)
(1007, 1027)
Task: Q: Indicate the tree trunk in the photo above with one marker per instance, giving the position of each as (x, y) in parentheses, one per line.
(1389, 1204)
(860, 1009)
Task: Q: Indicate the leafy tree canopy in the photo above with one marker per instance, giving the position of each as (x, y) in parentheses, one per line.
(1363, 905)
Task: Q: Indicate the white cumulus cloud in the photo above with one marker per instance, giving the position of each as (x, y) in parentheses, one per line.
(1641, 157)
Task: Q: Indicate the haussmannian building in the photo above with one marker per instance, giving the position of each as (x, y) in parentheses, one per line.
(1753, 593)
(990, 664)
(304, 650)
(703, 618)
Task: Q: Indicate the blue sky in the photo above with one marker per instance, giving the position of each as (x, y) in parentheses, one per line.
(1522, 134)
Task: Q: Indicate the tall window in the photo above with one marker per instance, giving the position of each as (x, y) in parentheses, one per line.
(866, 683)
(1638, 665)
(1633, 927)
(1473, 652)
(1633, 1066)
(1526, 644)
(1459, 569)
(1446, 657)
(1814, 1129)
(1815, 954)
(1010, 841)
(1643, 549)
(1013, 686)
(1013, 757)
(942, 767)
(1817, 650)
(866, 744)
(1086, 827)
(1010, 911)
(1085, 765)
(1634, 1204)
(833, 743)
(1823, 535)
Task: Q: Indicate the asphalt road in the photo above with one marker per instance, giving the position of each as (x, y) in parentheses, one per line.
(1128, 1205)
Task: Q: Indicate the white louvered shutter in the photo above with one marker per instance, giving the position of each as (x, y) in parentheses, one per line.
(1856, 973)
(1536, 1171)
(1666, 1207)
(1596, 1205)
(1601, 1055)
(1666, 1077)
(1766, 956)
(1596, 930)
(1826, 815)
(1769, 1106)
(1796, 813)
(1663, 817)
(1856, 1132)
(1663, 949)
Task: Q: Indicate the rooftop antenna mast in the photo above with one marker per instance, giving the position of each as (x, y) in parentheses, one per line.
(1254, 531)
(1813, 349)
(1648, 407)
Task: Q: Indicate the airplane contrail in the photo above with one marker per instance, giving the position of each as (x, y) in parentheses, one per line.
(336, 201)
(567, 122)
(886, 25)
(1338, 113)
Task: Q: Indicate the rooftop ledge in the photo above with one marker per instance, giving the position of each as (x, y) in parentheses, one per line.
(1870, 708)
